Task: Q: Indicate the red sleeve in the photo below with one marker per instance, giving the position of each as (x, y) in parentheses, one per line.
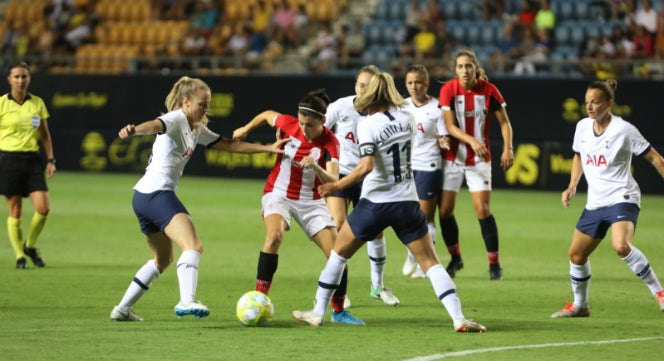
(445, 97)
(286, 122)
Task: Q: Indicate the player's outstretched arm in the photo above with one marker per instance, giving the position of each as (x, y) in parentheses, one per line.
(266, 117)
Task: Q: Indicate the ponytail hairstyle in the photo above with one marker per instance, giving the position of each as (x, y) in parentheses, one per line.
(379, 95)
(607, 87)
(185, 87)
(479, 73)
(314, 104)
(371, 69)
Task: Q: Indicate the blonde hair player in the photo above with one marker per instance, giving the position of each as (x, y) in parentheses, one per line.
(162, 217)
(388, 199)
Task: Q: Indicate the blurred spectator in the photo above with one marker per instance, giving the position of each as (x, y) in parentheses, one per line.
(16, 41)
(646, 16)
(283, 21)
(412, 22)
(630, 15)
(81, 26)
(643, 43)
(507, 50)
(424, 42)
(511, 10)
(205, 17)
(302, 24)
(493, 9)
(526, 16)
(659, 38)
(324, 49)
(260, 16)
(193, 43)
(623, 44)
(545, 18)
(352, 45)
(432, 14)
(445, 41)
(259, 21)
(238, 45)
(534, 50)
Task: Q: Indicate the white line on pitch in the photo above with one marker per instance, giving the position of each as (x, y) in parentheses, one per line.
(521, 347)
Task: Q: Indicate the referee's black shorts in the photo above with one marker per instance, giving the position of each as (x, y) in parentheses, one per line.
(21, 173)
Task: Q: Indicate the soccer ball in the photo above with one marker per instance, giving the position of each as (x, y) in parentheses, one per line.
(254, 308)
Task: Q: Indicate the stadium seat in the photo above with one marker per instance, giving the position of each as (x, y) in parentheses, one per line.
(592, 29)
(458, 29)
(565, 10)
(380, 12)
(396, 10)
(373, 32)
(582, 10)
(562, 34)
(449, 8)
(468, 10)
(473, 32)
(577, 33)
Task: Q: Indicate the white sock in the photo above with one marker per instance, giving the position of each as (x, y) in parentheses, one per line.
(377, 250)
(187, 268)
(142, 281)
(331, 277)
(445, 289)
(639, 264)
(432, 231)
(580, 278)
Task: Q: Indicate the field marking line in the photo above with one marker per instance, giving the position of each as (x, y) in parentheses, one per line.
(521, 347)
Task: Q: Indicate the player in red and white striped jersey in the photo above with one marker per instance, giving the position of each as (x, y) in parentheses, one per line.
(469, 103)
(310, 158)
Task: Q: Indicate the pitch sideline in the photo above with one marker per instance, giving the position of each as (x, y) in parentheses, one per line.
(520, 347)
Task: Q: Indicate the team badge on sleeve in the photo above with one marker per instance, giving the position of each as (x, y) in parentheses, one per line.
(367, 149)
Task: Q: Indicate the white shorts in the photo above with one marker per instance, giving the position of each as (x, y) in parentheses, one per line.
(478, 177)
(312, 215)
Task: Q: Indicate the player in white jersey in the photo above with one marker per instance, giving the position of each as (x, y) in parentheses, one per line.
(162, 217)
(426, 160)
(604, 145)
(342, 118)
(388, 199)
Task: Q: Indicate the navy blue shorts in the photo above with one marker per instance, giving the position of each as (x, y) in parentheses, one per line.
(368, 220)
(21, 173)
(155, 210)
(596, 223)
(351, 193)
(428, 183)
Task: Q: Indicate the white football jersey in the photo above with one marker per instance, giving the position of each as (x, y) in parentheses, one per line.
(388, 137)
(606, 161)
(171, 151)
(342, 118)
(429, 122)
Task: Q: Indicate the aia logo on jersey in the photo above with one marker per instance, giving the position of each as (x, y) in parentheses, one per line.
(350, 136)
(420, 127)
(596, 160)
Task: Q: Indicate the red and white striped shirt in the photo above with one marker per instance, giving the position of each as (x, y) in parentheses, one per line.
(290, 180)
(473, 110)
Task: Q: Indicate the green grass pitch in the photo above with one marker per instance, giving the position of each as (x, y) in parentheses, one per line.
(93, 247)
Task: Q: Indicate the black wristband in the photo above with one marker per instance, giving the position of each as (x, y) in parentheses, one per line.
(51, 160)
